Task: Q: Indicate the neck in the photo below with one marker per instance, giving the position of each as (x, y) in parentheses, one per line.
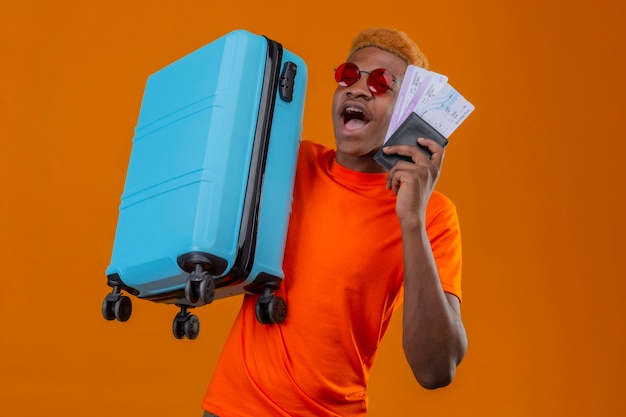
(364, 163)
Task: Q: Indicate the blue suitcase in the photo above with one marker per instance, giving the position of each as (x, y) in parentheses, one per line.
(208, 191)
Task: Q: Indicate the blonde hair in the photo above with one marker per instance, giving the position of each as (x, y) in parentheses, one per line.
(390, 40)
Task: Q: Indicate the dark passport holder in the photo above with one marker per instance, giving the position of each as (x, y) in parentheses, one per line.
(412, 128)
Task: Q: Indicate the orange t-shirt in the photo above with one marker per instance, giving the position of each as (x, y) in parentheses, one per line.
(343, 281)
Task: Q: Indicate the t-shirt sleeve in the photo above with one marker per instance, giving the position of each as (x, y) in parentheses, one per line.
(442, 226)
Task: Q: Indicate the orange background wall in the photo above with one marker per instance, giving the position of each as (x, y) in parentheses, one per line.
(536, 172)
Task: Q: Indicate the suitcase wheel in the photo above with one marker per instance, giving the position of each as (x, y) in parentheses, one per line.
(186, 325)
(117, 306)
(200, 287)
(271, 309)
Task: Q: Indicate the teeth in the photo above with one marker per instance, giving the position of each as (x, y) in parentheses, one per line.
(353, 109)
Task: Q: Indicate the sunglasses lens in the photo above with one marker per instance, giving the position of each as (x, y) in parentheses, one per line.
(380, 80)
(347, 74)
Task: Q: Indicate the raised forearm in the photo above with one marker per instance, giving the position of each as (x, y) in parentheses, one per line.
(434, 338)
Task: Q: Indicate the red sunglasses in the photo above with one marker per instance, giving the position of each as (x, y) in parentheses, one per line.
(378, 80)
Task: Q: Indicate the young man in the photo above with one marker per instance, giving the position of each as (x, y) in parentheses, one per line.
(361, 242)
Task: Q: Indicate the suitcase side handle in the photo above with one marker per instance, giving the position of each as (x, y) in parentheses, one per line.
(287, 81)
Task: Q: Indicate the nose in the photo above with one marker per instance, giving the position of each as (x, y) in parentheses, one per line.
(360, 88)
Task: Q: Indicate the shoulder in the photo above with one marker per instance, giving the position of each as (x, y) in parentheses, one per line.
(439, 202)
(311, 149)
(313, 155)
(441, 212)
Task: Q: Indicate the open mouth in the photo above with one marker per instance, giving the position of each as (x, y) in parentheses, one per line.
(354, 118)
